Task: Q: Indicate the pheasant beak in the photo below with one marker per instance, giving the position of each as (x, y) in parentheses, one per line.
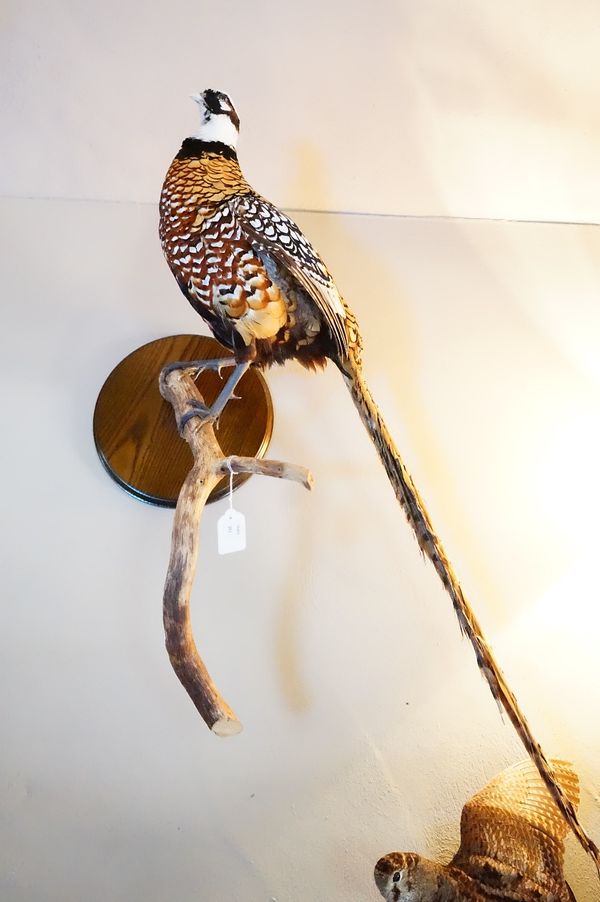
(197, 98)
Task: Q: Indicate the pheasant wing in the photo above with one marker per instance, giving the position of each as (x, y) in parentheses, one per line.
(512, 829)
(272, 232)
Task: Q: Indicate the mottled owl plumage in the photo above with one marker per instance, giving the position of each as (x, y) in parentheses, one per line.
(511, 848)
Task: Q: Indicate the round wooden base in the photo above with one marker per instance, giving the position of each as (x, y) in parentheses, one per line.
(134, 427)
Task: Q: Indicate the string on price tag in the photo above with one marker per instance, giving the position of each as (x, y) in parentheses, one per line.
(231, 527)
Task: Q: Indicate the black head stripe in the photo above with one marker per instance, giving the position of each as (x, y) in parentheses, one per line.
(211, 99)
(219, 103)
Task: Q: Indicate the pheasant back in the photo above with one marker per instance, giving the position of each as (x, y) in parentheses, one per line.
(245, 266)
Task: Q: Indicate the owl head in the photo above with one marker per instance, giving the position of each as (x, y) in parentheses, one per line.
(407, 877)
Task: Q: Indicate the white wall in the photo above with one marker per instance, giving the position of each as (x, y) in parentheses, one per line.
(434, 108)
(367, 724)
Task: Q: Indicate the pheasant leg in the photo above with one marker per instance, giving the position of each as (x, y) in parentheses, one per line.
(211, 414)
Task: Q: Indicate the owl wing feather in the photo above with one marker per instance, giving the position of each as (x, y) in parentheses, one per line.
(513, 829)
(272, 232)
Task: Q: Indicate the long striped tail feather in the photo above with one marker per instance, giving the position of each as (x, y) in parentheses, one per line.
(431, 546)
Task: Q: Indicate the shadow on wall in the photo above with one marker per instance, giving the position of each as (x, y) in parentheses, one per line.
(374, 296)
(394, 369)
(288, 656)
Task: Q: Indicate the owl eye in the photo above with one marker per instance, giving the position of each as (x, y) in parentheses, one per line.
(396, 876)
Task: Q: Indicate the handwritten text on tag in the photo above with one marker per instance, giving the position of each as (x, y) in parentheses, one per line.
(231, 532)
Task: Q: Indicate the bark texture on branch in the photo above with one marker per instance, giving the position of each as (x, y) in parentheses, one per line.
(210, 465)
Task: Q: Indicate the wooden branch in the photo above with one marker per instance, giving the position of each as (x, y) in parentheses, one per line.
(210, 465)
(275, 468)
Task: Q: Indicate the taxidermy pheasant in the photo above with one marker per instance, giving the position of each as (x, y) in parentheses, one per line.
(511, 847)
(265, 293)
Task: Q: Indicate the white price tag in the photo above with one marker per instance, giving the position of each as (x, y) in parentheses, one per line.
(231, 532)
(231, 527)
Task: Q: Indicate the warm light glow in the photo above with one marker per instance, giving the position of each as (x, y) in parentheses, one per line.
(568, 478)
(560, 632)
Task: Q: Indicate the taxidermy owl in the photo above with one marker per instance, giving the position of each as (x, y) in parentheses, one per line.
(511, 847)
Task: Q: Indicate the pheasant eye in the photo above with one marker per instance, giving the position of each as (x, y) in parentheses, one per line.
(396, 877)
